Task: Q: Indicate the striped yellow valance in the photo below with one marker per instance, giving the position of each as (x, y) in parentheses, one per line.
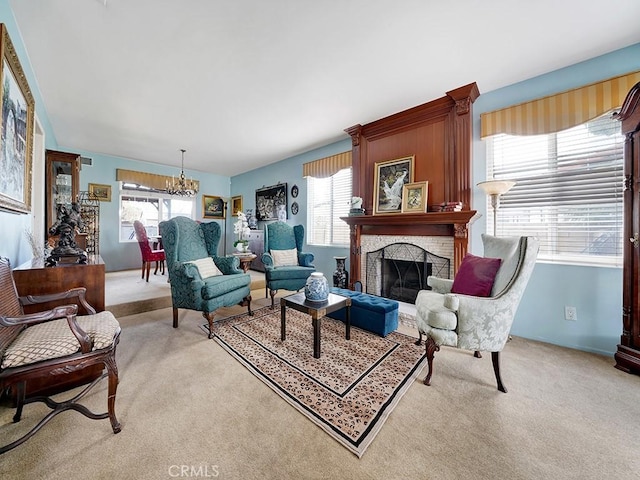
(561, 111)
(325, 167)
(151, 180)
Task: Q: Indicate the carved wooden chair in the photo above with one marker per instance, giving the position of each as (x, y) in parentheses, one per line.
(50, 346)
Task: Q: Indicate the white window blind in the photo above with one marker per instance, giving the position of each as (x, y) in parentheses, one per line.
(151, 209)
(328, 199)
(568, 192)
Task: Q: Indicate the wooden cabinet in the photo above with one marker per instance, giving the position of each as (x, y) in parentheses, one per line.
(628, 353)
(256, 245)
(33, 278)
(62, 178)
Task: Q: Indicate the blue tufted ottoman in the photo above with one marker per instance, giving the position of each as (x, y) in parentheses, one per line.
(369, 312)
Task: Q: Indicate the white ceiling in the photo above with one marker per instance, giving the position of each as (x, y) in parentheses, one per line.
(244, 83)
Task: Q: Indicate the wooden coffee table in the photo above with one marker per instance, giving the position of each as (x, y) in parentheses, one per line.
(317, 310)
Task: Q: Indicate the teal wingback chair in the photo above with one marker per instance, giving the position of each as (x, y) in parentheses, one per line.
(186, 241)
(282, 237)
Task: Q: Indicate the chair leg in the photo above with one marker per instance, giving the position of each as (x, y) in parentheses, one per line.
(273, 294)
(112, 370)
(495, 357)
(419, 340)
(209, 316)
(148, 270)
(247, 301)
(175, 317)
(20, 392)
(72, 404)
(144, 265)
(155, 272)
(477, 354)
(432, 347)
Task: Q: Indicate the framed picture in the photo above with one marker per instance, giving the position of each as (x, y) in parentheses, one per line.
(213, 207)
(268, 201)
(389, 180)
(100, 192)
(236, 205)
(17, 130)
(414, 197)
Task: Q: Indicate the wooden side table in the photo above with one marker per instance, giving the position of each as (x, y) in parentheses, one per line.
(245, 260)
(297, 301)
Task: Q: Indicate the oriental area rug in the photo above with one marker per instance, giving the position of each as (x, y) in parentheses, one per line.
(348, 392)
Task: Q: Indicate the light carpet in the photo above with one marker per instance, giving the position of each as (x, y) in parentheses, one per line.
(349, 391)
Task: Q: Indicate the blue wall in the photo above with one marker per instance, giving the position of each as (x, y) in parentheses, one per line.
(14, 244)
(596, 292)
(123, 256)
(290, 171)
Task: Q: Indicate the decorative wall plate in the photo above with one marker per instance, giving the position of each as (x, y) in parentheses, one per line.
(294, 191)
(294, 207)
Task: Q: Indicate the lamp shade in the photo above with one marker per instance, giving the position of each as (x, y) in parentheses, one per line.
(496, 187)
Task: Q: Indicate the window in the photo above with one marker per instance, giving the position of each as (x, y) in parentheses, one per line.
(150, 208)
(568, 192)
(328, 199)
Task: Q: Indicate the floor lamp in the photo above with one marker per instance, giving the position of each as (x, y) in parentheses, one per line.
(495, 188)
(224, 222)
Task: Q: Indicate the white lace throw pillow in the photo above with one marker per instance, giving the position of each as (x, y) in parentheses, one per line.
(283, 258)
(206, 267)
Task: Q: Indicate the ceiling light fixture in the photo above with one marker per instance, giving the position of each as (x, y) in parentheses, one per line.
(183, 187)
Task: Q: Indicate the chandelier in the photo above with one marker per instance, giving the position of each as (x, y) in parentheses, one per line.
(182, 187)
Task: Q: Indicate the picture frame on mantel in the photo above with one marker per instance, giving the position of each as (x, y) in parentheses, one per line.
(414, 197)
(17, 130)
(389, 179)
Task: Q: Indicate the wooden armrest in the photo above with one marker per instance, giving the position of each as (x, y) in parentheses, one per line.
(65, 311)
(78, 292)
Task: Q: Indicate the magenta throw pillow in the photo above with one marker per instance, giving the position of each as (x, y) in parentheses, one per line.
(475, 276)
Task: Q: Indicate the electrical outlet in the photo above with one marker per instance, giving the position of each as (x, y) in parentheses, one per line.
(570, 313)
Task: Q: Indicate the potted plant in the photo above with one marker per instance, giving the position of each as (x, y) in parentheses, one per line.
(241, 228)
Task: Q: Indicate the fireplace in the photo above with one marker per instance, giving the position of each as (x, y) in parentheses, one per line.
(399, 270)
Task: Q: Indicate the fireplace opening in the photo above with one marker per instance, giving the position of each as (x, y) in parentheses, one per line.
(402, 279)
(399, 271)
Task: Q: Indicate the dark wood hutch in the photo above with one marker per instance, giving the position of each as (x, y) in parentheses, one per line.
(628, 354)
(439, 134)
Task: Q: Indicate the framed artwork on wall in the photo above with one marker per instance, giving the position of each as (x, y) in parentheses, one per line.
(414, 197)
(236, 205)
(100, 192)
(389, 179)
(213, 207)
(17, 130)
(269, 201)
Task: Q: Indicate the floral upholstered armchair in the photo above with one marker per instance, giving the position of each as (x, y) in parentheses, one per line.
(200, 279)
(475, 310)
(286, 266)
